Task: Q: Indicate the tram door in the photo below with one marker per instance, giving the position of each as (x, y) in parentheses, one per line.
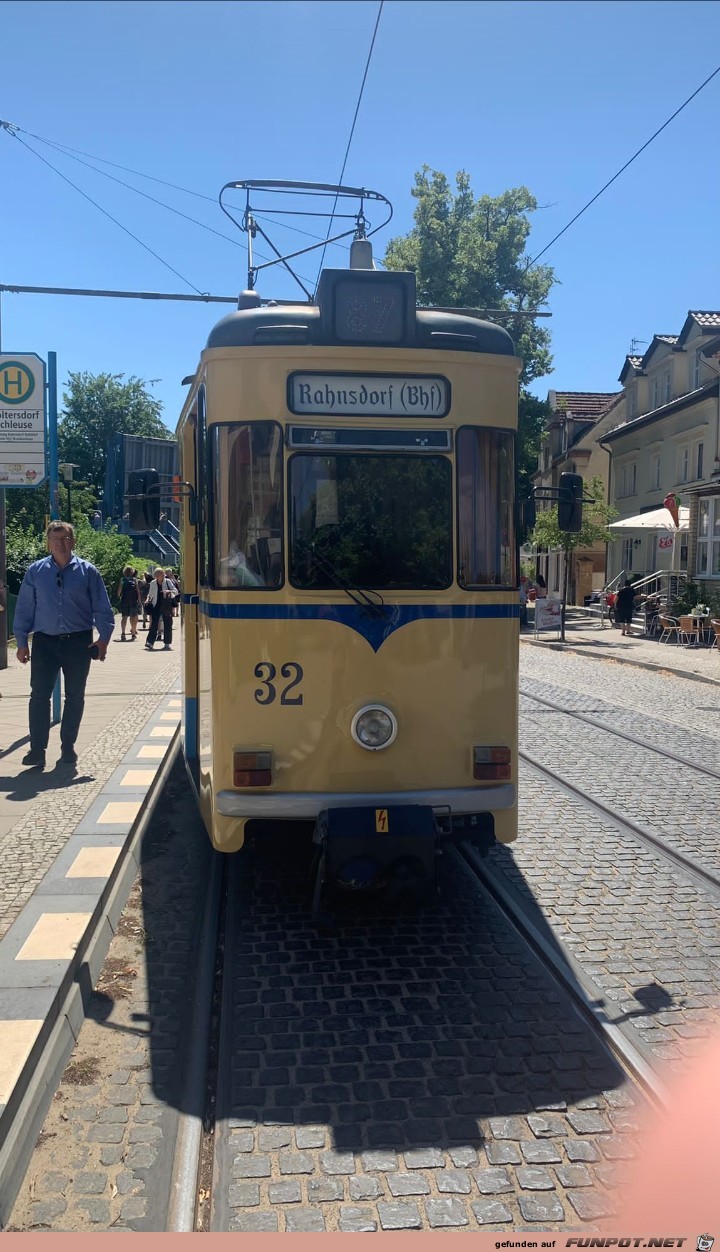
(194, 541)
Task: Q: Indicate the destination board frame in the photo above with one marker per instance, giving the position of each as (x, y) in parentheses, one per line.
(395, 394)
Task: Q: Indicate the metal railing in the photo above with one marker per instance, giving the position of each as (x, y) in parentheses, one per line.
(667, 584)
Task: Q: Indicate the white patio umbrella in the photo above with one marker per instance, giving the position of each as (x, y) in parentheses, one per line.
(656, 519)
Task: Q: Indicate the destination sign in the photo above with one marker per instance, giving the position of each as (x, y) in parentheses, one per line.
(369, 395)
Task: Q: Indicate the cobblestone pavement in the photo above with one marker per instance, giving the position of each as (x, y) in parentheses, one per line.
(29, 849)
(665, 697)
(104, 1154)
(586, 639)
(404, 1072)
(413, 1072)
(647, 934)
(669, 798)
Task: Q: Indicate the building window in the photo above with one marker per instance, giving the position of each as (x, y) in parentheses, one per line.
(654, 472)
(697, 369)
(632, 401)
(666, 387)
(627, 480)
(708, 538)
(655, 393)
(690, 461)
(628, 546)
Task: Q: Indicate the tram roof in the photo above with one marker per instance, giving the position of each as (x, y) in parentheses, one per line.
(302, 325)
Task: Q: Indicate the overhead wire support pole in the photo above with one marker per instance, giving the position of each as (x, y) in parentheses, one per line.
(20, 289)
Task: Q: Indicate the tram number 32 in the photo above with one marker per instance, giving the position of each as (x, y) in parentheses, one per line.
(268, 691)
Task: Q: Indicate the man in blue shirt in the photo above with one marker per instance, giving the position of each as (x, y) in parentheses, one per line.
(60, 600)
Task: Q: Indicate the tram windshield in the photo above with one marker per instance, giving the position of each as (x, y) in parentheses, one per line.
(381, 522)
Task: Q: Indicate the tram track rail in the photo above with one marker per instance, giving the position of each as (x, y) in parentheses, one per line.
(700, 874)
(199, 1187)
(597, 722)
(586, 997)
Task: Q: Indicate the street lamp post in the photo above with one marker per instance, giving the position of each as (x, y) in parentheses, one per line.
(66, 469)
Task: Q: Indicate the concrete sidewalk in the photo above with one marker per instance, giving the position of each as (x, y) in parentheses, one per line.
(67, 861)
(588, 638)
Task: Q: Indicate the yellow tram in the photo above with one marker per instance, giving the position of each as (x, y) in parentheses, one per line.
(349, 575)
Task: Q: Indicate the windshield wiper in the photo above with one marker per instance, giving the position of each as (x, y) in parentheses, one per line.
(359, 595)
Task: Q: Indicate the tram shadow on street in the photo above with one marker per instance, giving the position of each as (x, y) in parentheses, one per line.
(395, 1028)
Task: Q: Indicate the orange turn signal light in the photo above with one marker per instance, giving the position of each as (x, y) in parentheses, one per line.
(252, 769)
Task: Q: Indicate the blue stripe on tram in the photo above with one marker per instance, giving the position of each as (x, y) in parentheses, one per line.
(375, 623)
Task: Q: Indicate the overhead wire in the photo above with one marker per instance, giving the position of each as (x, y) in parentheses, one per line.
(352, 132)
(72, 153)
(52, 143)
(624, 167)
(105, 213)
(78, 153)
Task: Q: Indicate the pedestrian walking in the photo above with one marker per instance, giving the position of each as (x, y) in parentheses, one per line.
(172, 579)
(130, 602)
(61, 598)
(624, 604)
(160, 601)
(523, 590)
(145, 584)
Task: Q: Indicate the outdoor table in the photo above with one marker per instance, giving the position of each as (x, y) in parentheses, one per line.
(702, 625)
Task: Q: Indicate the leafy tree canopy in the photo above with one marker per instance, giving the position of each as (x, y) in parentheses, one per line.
(29, 507)
(98, 406)
(533, 415)
(107, 549)
(470, 253)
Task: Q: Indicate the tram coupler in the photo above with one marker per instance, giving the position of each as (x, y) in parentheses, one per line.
(371, 849)
(477, 829)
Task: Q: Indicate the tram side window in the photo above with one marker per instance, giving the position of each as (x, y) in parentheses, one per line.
(486, 528)
(247, 505)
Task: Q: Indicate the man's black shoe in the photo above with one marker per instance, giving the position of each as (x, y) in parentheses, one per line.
(68, 756)
(35, 759)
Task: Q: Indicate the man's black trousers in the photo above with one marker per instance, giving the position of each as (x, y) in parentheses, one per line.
(49, 655)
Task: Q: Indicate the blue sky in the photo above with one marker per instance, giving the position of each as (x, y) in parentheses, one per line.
(555, 96)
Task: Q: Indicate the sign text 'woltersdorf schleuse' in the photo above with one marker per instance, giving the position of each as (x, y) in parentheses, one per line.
(22, 420)
(369, 395)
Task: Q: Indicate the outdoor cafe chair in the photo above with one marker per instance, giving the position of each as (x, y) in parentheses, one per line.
(689, 631)
(716, 627)
(670, 629)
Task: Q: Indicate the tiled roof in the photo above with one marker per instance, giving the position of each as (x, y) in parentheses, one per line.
(635, 361)
(586, 405)
(708, 319)
(667, 338)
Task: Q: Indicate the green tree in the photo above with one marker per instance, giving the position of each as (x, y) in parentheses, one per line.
(597, 517)
(29, 507)
(98, 406)
(470, 253)
(107, 549)
(532, 418)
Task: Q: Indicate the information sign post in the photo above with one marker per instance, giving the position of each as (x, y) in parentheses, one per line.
(23, 439)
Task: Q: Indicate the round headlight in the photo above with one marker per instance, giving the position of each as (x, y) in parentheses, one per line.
(373, 727)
